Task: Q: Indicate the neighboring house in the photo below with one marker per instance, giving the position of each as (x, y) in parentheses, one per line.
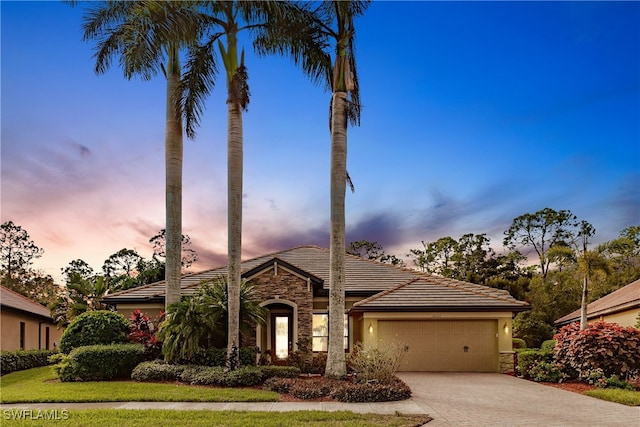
(448, 325)
(621, 307)
(25, 324)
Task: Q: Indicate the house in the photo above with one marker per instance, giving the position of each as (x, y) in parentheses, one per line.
(448, 325)
(621, 307)
(25, 324)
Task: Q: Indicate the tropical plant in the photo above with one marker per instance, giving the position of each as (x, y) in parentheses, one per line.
(146, 37)
(81, 294)
(200, 321)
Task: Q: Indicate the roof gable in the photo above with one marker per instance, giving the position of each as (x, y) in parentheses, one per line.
(12, 299)
(624, 298)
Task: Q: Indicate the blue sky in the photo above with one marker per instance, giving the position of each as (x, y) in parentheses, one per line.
(474, 113)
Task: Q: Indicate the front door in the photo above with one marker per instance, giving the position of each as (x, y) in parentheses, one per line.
(281, 337)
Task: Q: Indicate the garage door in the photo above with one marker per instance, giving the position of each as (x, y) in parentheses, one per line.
(455, 345)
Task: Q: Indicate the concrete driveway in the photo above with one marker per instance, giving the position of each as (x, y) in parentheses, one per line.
(478, 399)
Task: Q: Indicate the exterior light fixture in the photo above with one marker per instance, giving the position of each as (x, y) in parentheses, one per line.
(370, 328)
(506, 328)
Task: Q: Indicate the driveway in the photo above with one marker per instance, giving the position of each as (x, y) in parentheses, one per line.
(479, 399)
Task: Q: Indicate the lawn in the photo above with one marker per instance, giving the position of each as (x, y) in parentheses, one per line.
(137, 418)
(626, 397)
(41, 385)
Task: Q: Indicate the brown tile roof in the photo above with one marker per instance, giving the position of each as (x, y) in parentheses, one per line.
(433, 293)
(361, 275)
(625, 298)
(401, 288)
(12, 299)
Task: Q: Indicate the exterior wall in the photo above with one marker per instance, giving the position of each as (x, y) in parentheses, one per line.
(151, 310)
(34, 334)
(282, 285)
(623, 318)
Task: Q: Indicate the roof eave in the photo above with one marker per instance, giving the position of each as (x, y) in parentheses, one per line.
(416, 309)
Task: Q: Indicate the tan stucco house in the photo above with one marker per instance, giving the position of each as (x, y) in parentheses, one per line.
(621, 307)
(25, 324)
(448, 325)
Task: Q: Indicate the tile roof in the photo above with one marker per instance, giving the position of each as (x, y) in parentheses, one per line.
(12, 299)
(625, 298)
(433, 293)
(361, 275)
(400, 287)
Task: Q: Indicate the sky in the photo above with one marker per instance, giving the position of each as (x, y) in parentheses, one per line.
(474, 113)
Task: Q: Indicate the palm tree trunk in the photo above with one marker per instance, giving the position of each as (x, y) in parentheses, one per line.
(583, 305)
(336, 365)
(173, 170)
(234, 225)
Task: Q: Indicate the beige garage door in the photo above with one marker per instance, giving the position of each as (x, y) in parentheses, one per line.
(455, 345)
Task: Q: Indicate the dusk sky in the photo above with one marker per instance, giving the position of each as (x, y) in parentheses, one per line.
(473, 113)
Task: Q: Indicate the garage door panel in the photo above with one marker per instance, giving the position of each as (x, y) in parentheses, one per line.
(440, 345)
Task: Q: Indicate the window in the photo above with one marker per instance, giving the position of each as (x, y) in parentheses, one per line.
(22, 329)
(321, 332)
(46, 338)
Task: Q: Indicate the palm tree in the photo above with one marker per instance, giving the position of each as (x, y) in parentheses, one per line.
(144, 35)
(221, 22)
(79, 295)
(331, 26)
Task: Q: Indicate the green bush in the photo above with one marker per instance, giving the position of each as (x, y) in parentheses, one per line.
(607, 346)
(615, 382)
(19, 360)
(548, 346)
(311, 389)
(100, 362)
(542, 371)
(157, 371)
(519, 343)
(218, 357)
(95, 328)
(529, 358)
(270, 371)
(215, 375)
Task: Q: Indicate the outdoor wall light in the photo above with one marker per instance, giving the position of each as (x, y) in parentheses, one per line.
(506, 328)
(370, 328)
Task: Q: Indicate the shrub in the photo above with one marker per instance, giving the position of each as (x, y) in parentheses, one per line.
(372, 392)
(311, 389)
(615, 382)
(279, 385)
(157, 371)
(548, 346)
(529, 358)
(100, 362)
(545, 371)
(376, 364)
(612, 348)
(142, 331)
(218, 357)
(215, 375)
(95, 328)
(11, 361)
(270, 371)
(519, 343)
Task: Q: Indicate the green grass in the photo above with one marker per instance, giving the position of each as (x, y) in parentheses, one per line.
(40, 385)
(137, 418)
(626, 397)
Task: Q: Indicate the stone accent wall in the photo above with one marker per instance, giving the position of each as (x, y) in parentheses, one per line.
(287, 286)
(507, 359)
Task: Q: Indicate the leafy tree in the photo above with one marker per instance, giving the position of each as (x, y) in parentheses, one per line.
(121, 263)
(78, 266)
(81, 294)
(146, 37)
(17, 252)
(374, 251)
(189, 256)
(541, 231)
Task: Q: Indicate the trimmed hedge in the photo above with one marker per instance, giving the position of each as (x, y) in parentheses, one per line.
(95, 328)
(19, 360)
(210, 375)
(218, 357)
(100, 362)
(519, 344)
(343, 391)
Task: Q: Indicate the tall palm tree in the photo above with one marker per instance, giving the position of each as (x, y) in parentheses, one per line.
(221, 22)
(144, 36)
(330, 26)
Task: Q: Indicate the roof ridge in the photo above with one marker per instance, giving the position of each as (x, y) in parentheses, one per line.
(385, 292)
